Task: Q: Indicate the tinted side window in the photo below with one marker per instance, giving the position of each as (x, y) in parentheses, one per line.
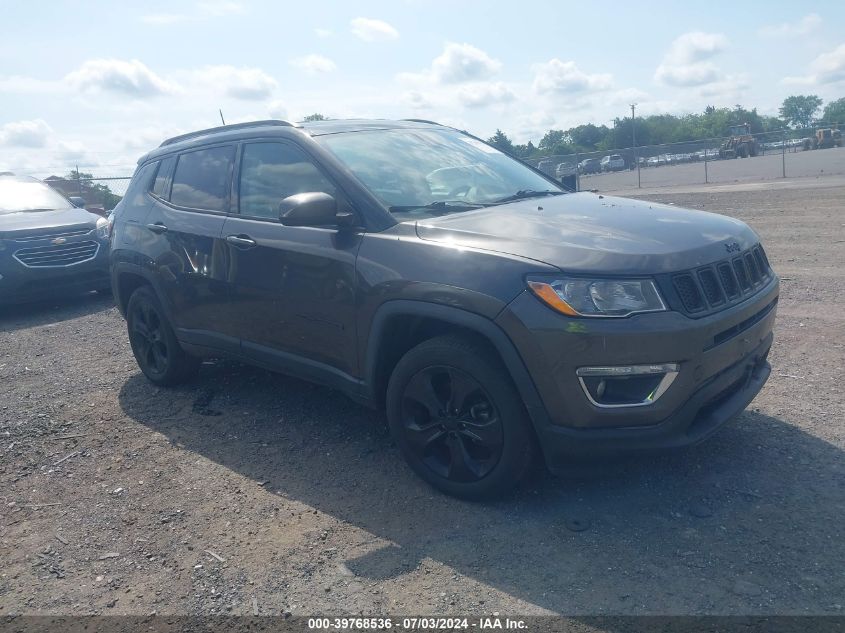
(273, 171)
(201, 180)
(162, 180)
(139, 185)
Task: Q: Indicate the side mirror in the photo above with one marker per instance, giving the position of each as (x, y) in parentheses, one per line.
(77, 201)
(313, 208)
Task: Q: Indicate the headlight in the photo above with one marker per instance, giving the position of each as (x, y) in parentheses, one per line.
(576, 296)
(103, 228)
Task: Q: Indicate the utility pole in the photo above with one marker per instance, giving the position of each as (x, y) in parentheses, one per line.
(634, 138)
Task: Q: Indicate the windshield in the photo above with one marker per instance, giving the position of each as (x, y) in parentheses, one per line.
(22, 195)
(426, 172)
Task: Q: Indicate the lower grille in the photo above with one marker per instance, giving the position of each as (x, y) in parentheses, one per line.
(57, 255)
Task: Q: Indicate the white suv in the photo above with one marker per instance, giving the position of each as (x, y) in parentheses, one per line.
(614, 162)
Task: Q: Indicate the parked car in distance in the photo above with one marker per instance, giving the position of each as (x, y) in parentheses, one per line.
(48, 246)
(614, 162)
(547, 167)
(564, 169)
(497, 319)
(590, 166)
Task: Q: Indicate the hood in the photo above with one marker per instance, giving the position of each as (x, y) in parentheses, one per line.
(44, 221)
(595, 233)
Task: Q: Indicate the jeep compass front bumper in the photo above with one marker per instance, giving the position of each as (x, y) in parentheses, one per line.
(717, 364)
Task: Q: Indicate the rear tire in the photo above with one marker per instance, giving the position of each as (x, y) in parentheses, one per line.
(154, 343)
(458, 419)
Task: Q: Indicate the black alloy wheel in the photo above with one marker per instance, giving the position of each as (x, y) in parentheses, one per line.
(451, 424)
(458, 419)
(147, 338)
(153, 342)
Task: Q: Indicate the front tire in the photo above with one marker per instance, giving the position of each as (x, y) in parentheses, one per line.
(458, 419)
(154, 343)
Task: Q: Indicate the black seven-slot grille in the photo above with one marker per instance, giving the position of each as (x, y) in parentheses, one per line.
(57, 255)
(710, 287)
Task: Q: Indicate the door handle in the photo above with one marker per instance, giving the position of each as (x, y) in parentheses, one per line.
(158, 227)
(240, 241)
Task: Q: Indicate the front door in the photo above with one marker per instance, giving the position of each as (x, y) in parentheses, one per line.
(292, 289)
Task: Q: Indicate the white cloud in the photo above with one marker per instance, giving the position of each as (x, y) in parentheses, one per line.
(686, 62)
(371, 30)
(202, 11)
(144, 138)
(806, 25)
(830, 66)
(131, 78)
(239, 83)
(323, 33)
(687, 75)
(696, 46)
(481, 95)
(416, 100)
(827, 68)
(730, 88)
(74, 151)
(278, 110)
(314, 64)
(462, 62)
(31, 133)
(556, 76)
(533, 125)
(627, 96)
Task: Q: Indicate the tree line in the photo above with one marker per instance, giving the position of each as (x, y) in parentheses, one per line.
(796, 112)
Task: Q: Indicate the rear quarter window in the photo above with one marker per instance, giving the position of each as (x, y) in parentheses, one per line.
(161, 184)
(201, 179)
(139, 185)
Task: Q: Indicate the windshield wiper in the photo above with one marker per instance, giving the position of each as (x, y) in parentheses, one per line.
(529, 193)
(440, 206)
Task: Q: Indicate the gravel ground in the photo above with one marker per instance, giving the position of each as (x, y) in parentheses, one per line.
(248, 491)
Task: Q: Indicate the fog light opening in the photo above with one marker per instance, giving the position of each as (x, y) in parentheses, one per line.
(626, 385)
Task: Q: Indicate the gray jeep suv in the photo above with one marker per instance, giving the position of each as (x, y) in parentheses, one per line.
(497, 318)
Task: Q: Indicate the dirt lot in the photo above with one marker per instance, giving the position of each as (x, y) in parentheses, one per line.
(119, 497)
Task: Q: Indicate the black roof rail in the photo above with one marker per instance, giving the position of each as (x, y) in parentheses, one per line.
(423, 121)
(225, 128)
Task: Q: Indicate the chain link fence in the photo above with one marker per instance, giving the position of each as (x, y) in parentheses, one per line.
(99, 194)
(741, 157)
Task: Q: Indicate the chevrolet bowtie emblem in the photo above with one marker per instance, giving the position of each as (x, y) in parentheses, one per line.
(59, 240)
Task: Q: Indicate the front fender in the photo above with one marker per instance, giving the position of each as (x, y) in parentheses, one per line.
(476, 323)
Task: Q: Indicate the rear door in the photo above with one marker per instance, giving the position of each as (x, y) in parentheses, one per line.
(292, 288)
(189, 258)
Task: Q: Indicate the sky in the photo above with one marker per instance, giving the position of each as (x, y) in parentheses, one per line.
(98, 84)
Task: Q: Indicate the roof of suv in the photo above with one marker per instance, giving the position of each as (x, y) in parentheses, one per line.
(274, 127)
